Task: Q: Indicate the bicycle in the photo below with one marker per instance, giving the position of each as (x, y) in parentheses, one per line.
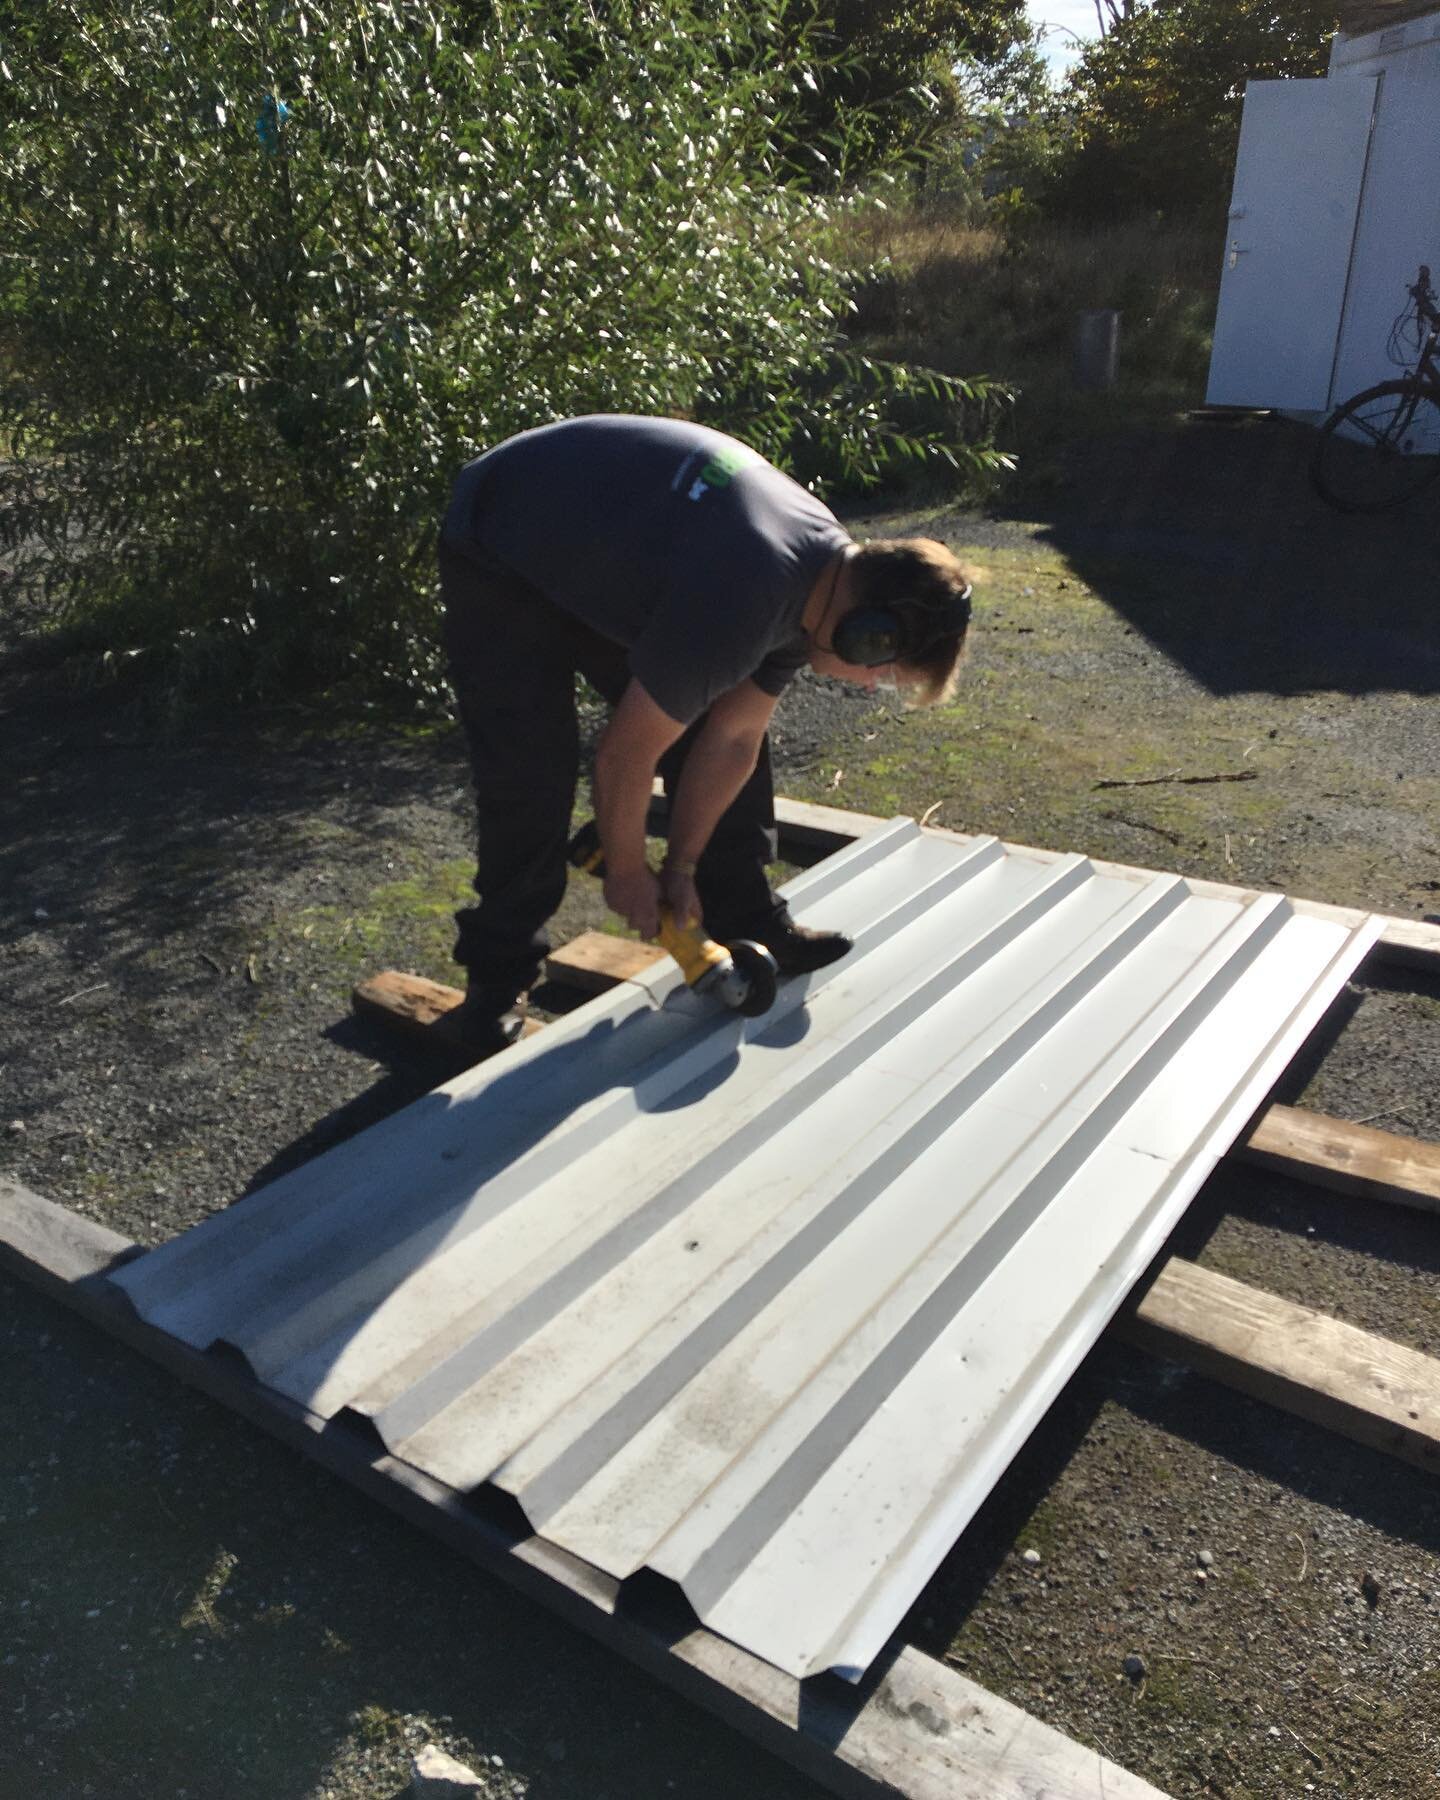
(1382, 446)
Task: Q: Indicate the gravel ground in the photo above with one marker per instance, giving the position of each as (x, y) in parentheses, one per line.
(189, 1610)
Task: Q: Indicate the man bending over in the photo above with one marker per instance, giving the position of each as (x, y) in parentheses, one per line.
(687, 580)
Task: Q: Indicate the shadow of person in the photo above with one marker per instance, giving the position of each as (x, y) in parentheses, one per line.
(332, 1267)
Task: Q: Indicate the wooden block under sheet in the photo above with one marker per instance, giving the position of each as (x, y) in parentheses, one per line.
(595, 961)
(1380, 1393)
(415, 1005)
(399, 999)
(1351, 1159)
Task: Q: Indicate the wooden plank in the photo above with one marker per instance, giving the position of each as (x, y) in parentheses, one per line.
(595, 961)
(1360, 16)
(1413, 943)
(417, 1006)
(807, 832)
(916, 1728)
(817, 830)
(51, 1245)
(399, 999)
(1381, 1394)
(1351, 1159)
(1409, 942)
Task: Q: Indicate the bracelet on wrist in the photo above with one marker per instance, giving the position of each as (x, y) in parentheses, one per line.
(678, 865)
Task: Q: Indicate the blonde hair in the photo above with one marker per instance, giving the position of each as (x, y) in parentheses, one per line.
(925, 586)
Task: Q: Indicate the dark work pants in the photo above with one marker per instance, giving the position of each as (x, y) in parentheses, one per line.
(513, 661)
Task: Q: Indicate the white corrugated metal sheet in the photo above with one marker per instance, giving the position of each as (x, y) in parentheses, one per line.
(768, 1305)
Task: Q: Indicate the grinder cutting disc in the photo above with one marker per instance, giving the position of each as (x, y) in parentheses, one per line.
(757, 975)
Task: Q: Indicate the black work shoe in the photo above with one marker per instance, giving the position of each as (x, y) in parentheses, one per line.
(798, 949)
(473, 1030)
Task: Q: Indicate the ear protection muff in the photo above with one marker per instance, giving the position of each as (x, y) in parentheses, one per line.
(873, 635)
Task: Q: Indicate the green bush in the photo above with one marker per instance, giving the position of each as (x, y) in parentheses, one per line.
(273, 271)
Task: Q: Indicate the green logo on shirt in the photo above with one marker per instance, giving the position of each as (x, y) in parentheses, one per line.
(717, 472)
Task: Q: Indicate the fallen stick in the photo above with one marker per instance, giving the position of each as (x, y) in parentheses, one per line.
(1171, 837)
(1179, 779)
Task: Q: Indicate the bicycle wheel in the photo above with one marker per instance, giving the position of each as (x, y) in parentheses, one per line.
(1379, 448)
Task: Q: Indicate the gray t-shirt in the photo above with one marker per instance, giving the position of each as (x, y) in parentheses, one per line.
(671, 539)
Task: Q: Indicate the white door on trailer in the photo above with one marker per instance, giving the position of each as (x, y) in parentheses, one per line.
(1298, 178)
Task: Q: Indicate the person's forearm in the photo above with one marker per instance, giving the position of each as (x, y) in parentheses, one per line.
(623, 786)
(715, 771)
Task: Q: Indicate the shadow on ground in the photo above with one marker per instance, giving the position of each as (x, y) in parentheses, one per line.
(152, 834)
(1210, 541)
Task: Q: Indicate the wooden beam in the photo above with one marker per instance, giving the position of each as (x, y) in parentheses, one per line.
(1412, 943)
(407, 1001)
(1381, 1394)
(814, 831)
(915, 1728)
(418, 1007)
(807, 832)
(1360, 16)
(1351, 1159)
(594, 961)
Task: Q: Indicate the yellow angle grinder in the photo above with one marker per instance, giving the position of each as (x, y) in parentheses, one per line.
(742, 975)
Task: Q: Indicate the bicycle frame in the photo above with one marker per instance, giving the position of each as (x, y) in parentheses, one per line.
(1382, 445)
(1427, 369)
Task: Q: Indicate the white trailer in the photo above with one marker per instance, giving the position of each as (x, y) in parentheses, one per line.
(1336, 205)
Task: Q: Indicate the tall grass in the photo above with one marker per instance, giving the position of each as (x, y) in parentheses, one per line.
(940, 290)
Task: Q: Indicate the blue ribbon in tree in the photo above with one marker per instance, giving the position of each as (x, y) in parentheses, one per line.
(270, 121)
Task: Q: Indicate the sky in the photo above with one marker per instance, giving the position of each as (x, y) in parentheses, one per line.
(1064, 17)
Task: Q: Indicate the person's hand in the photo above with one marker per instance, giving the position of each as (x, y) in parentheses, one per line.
(635, 895)
(677, 890)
